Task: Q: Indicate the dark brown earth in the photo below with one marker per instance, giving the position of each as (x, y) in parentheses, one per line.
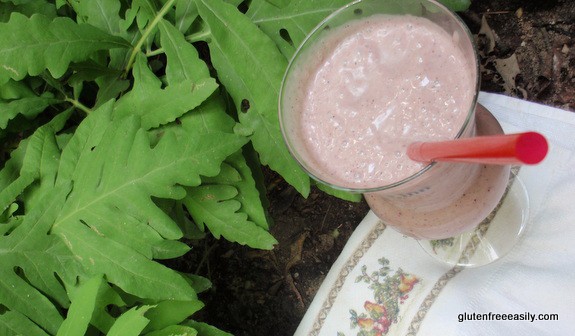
(527, 50)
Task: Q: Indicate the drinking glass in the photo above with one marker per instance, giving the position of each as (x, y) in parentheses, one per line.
(455, 215)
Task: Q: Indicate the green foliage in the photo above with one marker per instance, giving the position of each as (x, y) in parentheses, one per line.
(81, 310)
(456, 5)
(288, 26)
(123, 141)
(236, 42)
(32, 45)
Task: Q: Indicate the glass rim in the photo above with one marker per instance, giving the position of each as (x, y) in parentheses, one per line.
(470, 113)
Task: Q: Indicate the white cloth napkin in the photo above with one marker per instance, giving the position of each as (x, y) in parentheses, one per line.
(534, 282)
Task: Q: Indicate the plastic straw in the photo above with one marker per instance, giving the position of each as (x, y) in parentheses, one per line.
(521, 148)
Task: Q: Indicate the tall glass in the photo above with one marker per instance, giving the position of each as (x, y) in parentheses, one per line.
(442, 204)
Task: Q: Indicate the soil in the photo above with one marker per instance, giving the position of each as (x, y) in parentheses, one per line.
(527, 50)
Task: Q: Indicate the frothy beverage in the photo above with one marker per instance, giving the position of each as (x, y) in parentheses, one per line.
(378, 85)
(371, 87)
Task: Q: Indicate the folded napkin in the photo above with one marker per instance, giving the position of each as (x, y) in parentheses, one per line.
(384, 283)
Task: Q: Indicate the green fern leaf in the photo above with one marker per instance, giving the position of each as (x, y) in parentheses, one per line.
(213, 206)
(183, 60)
(456, 5)
(238, 50)
(143, 11)
(157, 106)
(174, 330)
(236, 172)
(169, 249)
(131, 323)
(109, 220)
(31, 261)
(279, 3)
(107, 297)
(27, 8)
(170, 312)
(18, 2)
(251, 190)
(32, 45)
(186, 13)
(102, 14)
(14, 324)
(105, 15)
(184, 64)
(289, 25)
(15, 90)
(81, 309)
(90, 299)
(16, 187)
(29, 107)
(345, 195)
(35, 157)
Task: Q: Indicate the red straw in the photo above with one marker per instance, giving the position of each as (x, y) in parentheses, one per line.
(521, 148)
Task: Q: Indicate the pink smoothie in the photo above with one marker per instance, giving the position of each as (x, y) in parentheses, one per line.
(375, 86)
(365, 92)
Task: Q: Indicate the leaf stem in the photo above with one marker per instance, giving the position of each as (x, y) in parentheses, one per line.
(147, 33)
(78, 105)
(155, 52)
(205, 260)
(199, 36)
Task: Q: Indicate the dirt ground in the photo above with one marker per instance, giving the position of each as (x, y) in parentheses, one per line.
(527, 50)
